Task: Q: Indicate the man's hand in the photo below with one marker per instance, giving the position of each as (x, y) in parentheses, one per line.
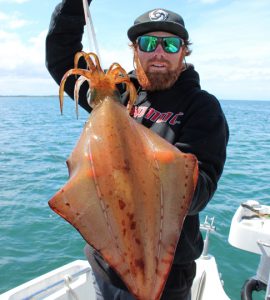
(73, 7)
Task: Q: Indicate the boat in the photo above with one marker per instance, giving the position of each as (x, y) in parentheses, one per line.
(249, 231)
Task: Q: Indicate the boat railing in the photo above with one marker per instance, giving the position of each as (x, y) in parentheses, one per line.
(65, 281)
(263, 271)
(208, 227)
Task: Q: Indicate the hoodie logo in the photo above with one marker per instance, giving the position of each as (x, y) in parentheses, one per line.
(158, 15)
(156, 116)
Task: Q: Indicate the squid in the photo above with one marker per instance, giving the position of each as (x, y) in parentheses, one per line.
(129, 190)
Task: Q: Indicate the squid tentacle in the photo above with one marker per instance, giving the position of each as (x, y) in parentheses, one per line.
(96, 60)
(81, 72)
(87, 58)
(121, 76)
(78, 85)
(94, 74)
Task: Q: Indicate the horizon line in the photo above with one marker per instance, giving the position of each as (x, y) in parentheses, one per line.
(47, 96)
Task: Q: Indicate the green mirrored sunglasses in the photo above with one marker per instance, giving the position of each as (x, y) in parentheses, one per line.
(170, 44)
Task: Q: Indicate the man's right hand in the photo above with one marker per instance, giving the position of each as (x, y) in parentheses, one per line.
(73, 7)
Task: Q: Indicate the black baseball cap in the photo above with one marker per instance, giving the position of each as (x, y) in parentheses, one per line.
(158, 19)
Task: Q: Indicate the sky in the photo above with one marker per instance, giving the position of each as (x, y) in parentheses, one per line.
(230, 43)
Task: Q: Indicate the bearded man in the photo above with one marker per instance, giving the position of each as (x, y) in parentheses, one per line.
(170, 102)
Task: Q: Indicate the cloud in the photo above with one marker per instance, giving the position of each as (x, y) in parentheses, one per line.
(17, 23)
(13, 21)
(204, 1)
(16, 50)
(22, 54)
(231, 47)
(110, 54)
(209, 1)
(24, 65)
(14, 1)
(230, 51)
(21, 63)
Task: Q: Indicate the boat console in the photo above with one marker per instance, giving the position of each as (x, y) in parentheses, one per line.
(250, 231)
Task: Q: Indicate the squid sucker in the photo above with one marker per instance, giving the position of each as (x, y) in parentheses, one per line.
(129, 190)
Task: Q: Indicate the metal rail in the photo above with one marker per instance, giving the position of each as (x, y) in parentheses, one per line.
(65, 281)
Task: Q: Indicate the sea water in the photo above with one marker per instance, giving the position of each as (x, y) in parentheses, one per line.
(35, 142)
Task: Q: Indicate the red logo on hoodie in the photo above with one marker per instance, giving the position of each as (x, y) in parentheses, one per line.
(156, 116)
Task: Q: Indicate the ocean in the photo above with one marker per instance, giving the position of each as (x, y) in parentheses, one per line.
(35, 142)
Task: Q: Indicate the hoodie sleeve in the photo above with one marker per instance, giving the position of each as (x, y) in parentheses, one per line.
(63, 41)
(206, 135)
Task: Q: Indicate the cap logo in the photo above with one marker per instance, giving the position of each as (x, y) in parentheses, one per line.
(158, 15)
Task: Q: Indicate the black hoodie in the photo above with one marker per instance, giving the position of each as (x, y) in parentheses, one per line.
(186, 116)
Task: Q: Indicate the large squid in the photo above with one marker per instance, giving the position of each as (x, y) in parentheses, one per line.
(129, 190)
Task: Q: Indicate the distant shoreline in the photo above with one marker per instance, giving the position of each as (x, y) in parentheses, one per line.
(20, 96)
(49, 96)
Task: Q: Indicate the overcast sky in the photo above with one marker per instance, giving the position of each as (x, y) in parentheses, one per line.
(231, 43)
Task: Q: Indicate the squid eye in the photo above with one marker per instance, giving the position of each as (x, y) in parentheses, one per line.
(91, 94)
(88, 97)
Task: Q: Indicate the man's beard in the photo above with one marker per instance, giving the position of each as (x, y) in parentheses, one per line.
(154, 81)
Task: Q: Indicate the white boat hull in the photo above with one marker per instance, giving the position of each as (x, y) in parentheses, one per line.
(74, 281)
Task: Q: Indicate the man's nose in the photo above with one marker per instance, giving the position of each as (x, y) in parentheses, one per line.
(159, 50)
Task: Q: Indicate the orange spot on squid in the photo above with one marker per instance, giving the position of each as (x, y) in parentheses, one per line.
(122, 204)
(164, 156)
(139, 263)
(138, 241)
(133, 225)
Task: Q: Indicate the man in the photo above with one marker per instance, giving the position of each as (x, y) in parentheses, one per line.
(171, 103)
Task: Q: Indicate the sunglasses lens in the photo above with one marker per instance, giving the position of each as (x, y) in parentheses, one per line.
(172, 44)
(148, 43)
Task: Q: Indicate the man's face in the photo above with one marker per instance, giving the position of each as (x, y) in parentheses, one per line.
(158, 70)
